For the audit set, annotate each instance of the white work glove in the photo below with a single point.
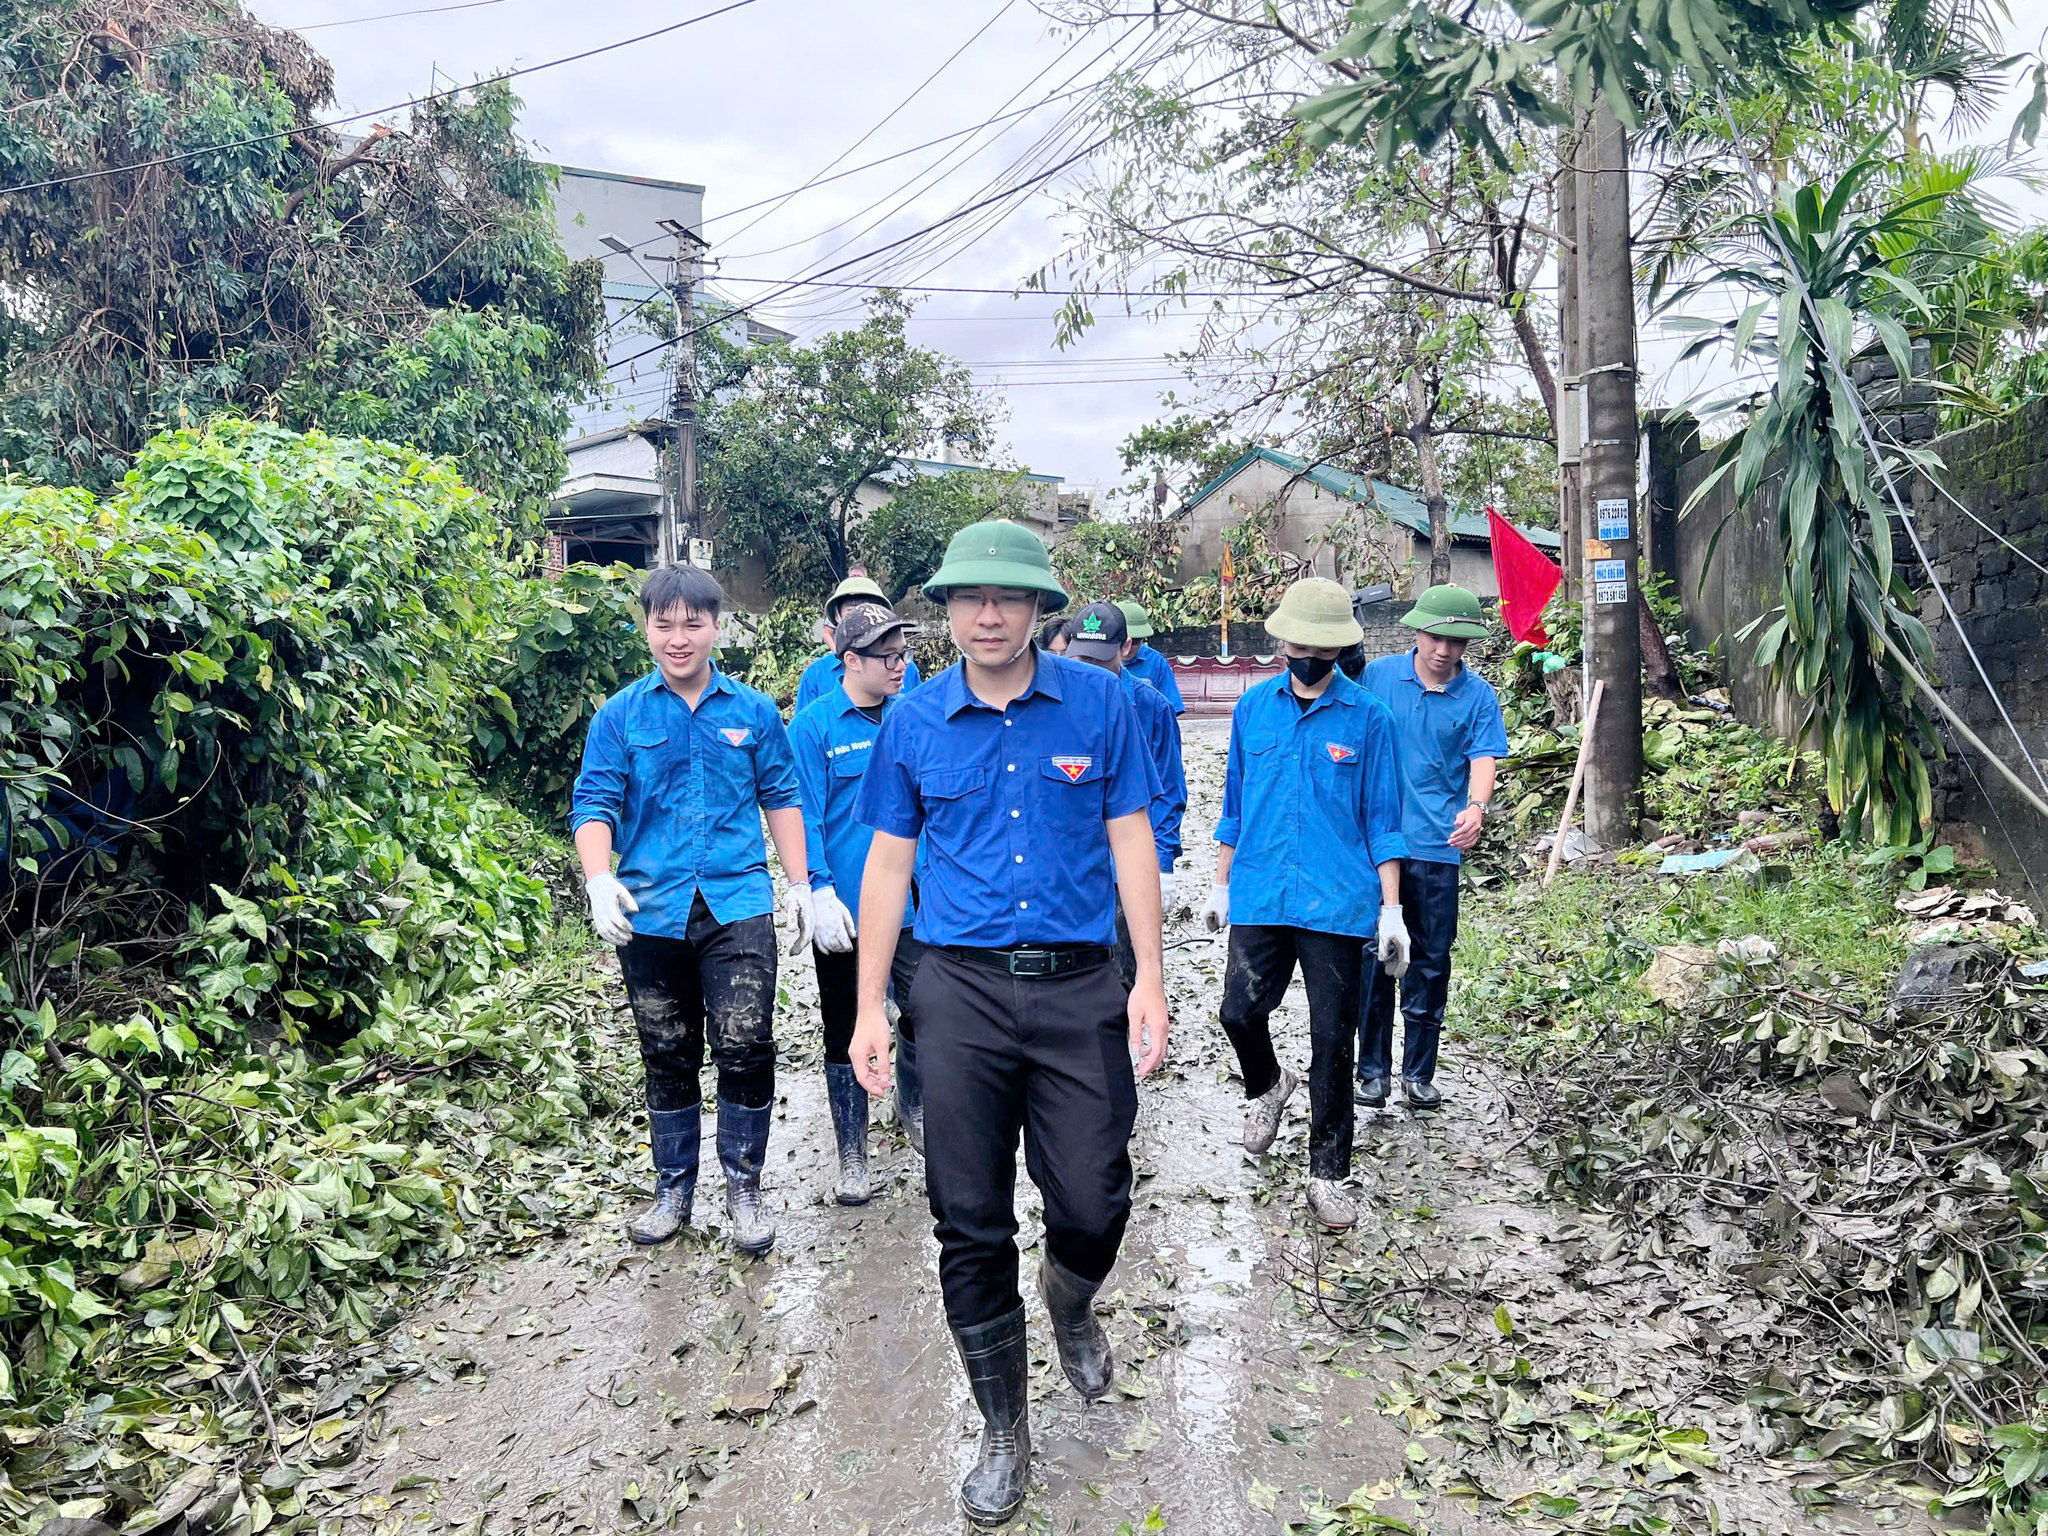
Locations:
(609, 903)
(1216, 910)
(832, 924)
(802, 913)
(1393, 950)
(1166, 890)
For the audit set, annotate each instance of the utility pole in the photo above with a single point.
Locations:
(682, 498)
(1609, 517)
(1570, 399)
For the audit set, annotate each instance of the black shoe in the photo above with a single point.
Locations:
(1084, 1347)
(1371, 1090)
(998, 1370)
(1420, 1095)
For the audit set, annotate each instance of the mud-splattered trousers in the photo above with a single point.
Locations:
(1045, 1057)
(718, 981)
(1255, 979)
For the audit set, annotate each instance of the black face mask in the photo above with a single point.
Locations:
(1310, 670)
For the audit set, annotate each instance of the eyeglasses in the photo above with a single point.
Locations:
(890, 659)
(1007, 601)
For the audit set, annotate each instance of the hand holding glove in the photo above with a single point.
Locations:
(832, 929)
(1393, 943)
(802, 913)
(1216, 910)
(609, 903)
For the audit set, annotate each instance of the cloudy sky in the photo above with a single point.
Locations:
(760, 101)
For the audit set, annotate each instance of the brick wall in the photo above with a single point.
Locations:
(1999, 471)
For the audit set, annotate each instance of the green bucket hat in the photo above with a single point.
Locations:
(1137, 622)
(1449, 611)
(997, 554)
(853, 586)
(1315, 611)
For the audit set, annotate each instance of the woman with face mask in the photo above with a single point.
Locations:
(1308, 872)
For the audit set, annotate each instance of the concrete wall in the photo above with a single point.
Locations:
(1999, 472)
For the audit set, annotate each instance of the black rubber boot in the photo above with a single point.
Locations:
(909, 1093)
(998, 1370)
(742, 1149)
(676, 1136)
(850, 1129)
(1084, 1347)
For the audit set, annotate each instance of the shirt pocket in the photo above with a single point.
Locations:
(1072, 793)
(729, 762)
(655, 767)
(958, 808)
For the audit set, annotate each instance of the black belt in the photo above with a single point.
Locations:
(1064, 960)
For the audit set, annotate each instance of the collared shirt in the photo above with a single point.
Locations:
(1440, 732)
(829, 671)
(1158, 671)
(683, 791)
(833, 742)
(1161, 733)
(1312, 804)
(1011, 804)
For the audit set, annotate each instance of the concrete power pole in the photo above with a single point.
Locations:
(1610, 521)
(1571, 401)
(682, 499)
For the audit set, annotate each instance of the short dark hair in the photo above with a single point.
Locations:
(1050, 633)
(681, 586)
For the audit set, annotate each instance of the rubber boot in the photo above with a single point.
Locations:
(742, 1149)
(850, 1128)
(998, 1369)
(676, 1135)
(1084, 1347)
(909, 1093)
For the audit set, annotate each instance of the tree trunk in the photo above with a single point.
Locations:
(1419, 414)
(1660, 672)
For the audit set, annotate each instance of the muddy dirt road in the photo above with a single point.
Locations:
(1427, 1363)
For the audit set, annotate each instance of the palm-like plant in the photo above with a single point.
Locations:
(1845, 633)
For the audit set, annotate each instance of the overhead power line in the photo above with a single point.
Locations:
(356, 117)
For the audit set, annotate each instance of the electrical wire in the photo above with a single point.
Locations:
(950, 59)
(355, 117)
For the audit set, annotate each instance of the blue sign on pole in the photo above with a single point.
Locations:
(1613, 517)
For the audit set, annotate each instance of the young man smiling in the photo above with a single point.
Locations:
(834, 742)
(1452, 739)
(1023, 774)
(677, 770)
(1311, 824)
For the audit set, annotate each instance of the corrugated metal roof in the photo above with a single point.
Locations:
(1400, 505)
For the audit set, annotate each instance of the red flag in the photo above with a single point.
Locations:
(1527, 577)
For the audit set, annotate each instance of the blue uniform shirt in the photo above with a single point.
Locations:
(1440, 734)
(1161, 733)
(1011, 804)
(1158, 671)
(833, 742)
(829, 671)
(683, 791)
(1312, 804)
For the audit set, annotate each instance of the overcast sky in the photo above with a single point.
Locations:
(757, 102)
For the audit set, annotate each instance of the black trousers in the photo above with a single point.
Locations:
(1047, 1057)
(839, 993)
(1429, 905)
(1261, 964)
(719, 981)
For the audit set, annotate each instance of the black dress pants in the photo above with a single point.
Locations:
(839, 993)
(1047, 1057)
(718, 980)
(1429, 905)
(1261, 964)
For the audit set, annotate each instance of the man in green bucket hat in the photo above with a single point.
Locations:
(825, 672)
(1308, 873)
(1022, 777)
(1146, 663)
(1452, 739)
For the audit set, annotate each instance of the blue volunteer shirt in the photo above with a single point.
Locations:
(833, 742)
(1158, 671)
(1312, 804)
(1161, 734)
(1440, 734)
(828, 671)
(683, 791)
(1011, 804)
